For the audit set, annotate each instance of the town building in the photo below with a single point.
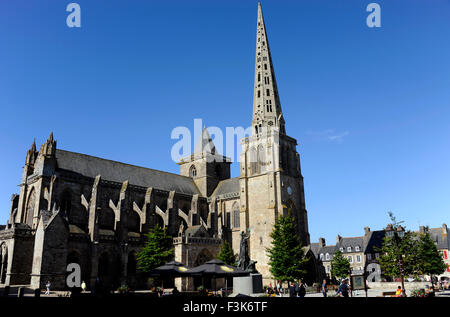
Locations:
(360, 251)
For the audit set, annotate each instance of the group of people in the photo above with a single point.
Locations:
(295, 289)
(342, 291)
(48, 285)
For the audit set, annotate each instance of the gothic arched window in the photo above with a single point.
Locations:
(261, 159)
(236, 216)
(30, 208)
(3, 262)
(203, 257)
(66, 203)
(253, 161)
(193, 171)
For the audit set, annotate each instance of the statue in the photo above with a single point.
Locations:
(244, 262)
(181, 230)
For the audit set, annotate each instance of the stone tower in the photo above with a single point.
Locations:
(205, 166)
(271, 182)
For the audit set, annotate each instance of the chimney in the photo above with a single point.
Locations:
(338, 239)
(322, 242)
(366, 231)
(444, 229)
(422, 229)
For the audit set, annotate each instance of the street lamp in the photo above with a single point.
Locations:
(389, 231)
(400, 232)
(397, 234)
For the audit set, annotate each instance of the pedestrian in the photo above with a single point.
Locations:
(292, 292)
(324, 288)
(83, 286)
(279, 288)
(47, 292)
(301, 290)
(343, 289)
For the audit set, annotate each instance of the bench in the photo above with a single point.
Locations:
(384, 294)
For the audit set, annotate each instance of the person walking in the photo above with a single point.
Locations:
(47, 292)
(292, 292)
(279, 288)
(301, 290)
(343, 289)
(324, 288)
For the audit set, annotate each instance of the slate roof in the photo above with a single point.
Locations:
(351, 242)
(375, 240)
(92, 166)
(317, 250)
(196, 231)
(227, 186)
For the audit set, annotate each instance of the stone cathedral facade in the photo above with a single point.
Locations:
(76, 208)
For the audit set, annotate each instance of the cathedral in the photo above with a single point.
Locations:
(76, 208)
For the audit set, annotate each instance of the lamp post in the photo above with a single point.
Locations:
(396, 234)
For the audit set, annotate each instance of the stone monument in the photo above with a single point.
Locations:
(251, 284)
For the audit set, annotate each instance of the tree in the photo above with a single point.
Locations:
(340, 266)
(157, 251)
(430, 260)
(226, 254)
(286, 256)
(399, 255)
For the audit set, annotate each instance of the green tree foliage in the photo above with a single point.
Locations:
(340, 266)
(157, 250)
(226, 254)
(399, 254)
(286, 256)
(430, 260)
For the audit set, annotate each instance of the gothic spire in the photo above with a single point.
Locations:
(31, 154)
(49, 147)
(205, 143)
(266, 102)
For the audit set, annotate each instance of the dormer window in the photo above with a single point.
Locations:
(357, 248)
(327, 256)
(341, 249)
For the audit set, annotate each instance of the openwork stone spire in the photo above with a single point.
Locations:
(266, 102)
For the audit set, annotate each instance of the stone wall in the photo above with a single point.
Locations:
(393, 285)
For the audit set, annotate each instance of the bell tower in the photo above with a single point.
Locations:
(271, 183)
(205, 166)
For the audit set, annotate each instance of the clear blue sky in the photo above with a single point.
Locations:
(370, 108)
